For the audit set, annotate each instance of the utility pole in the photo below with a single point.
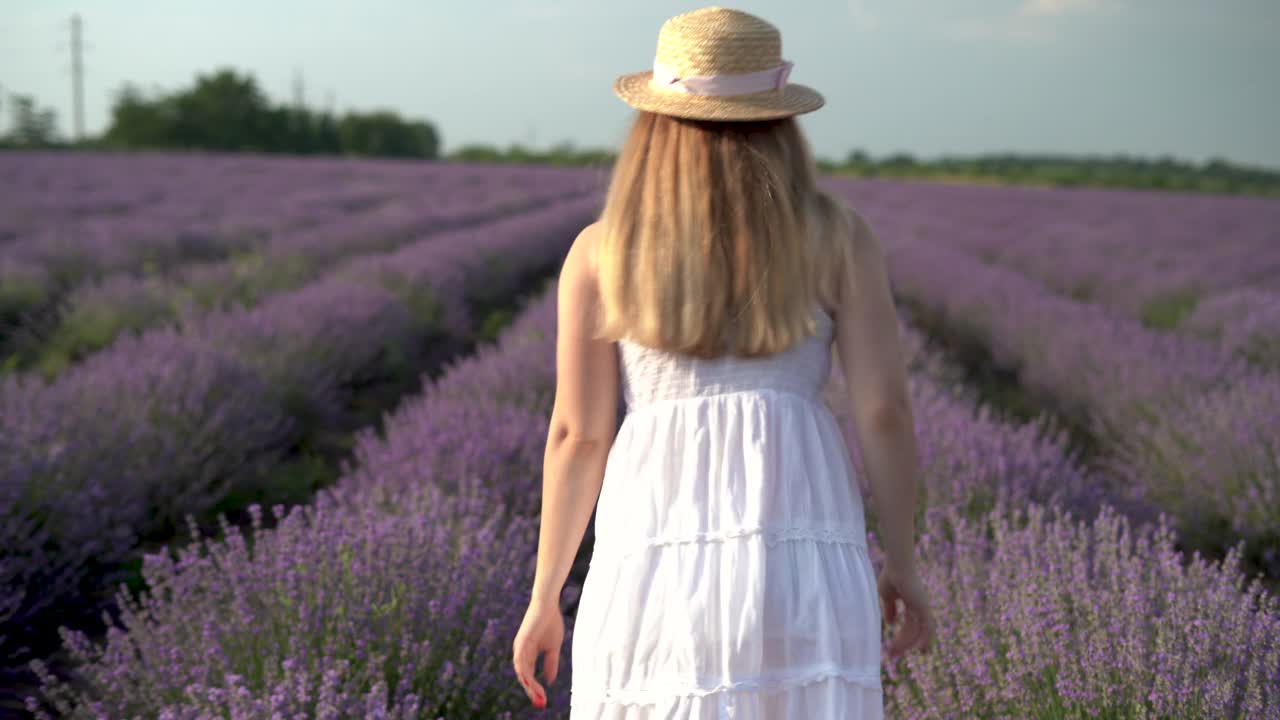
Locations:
(77, 78)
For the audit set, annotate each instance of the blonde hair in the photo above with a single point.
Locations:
(716, 238)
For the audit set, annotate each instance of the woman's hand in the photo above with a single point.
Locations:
(919, 626)
(541, 631)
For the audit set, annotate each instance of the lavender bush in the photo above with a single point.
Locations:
(396, 595)
(486, 417)
(83, 215)
(474, 266)
(1218, 460)
(312, 346)
(972, 459)
(1245, 321)
(517, 371)
(314, 231)
(1016, 594)
(23, 285)
(1142, 393)
(1041, 615)
(346, 609)
(79, 215)
(90, 463)
(1146, 255)
(226, 393)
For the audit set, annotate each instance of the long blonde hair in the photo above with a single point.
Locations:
(716, 238)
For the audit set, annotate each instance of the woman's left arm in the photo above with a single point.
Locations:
(583, 423)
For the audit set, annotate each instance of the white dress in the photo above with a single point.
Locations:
(730, 577)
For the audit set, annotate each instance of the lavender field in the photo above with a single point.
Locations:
(1184, 422)
(85, 256)
(1093, 556)
(1202, 265)
(202, 406)
(394, 597)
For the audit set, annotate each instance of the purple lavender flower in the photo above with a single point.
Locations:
(1155, 401)
(314, 612)
(205, 407)
(396, 594)
(229, 233)
(1245, 321)
(1044, 615)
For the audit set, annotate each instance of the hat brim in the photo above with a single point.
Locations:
(795, 99)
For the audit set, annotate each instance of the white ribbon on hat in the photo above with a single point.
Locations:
(668, 78)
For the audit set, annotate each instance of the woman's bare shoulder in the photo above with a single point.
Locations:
(586, 245)
(591, 231)
(857, 227)
(856, 243)
(580, 263)
(861, 236)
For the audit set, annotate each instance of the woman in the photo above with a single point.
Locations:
(730, 575)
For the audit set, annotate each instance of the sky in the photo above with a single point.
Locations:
(1184, 78)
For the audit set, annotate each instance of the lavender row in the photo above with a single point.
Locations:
(395, 595)
(345, 609)
(1044, 615)
(53, 187)
(127, 198)
(972, 459)
(167, 423)
(1056, 594)
(1244, 321)
(302, 634)
(80, 217)
(95, 314)
(1119, 248)
(1208, 265)
(1189, 426)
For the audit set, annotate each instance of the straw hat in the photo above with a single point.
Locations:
(718, 64)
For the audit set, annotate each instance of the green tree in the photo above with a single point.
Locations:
(477, 153)
(857, 158)
(32, 126)
(226, 111)
(385, 134)
(223, 112)
(139, 122)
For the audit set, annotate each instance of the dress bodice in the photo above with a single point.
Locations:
(650, 375)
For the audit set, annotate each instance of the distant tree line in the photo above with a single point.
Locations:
(32, 127)
(1092, 171)
(1162, 173)
(227, 112)
(562, 154)
(1120, 171)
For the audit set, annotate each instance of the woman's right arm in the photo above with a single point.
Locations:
(874, 365)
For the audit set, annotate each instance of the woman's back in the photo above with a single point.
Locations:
(650, 375)
(730, 575)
